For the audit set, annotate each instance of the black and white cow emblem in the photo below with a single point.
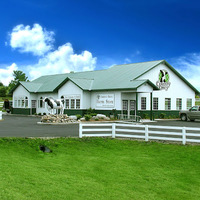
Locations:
(163, 80)
(163, 76)
(54, 104)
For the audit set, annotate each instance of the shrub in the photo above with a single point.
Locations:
(93, 114)
(87, 117)
(162, 115)
(145, 116)
(90, 111)
(78, 117)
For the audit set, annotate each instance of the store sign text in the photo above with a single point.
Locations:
(105, 100)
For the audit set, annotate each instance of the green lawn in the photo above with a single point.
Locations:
(98, 168)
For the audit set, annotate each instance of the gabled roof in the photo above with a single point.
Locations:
(117, 77)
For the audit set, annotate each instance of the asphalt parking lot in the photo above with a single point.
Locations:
(26, 126)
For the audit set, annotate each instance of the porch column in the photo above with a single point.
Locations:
(151, 106)
(136, 104)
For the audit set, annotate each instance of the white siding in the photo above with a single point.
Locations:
(20, 92)
(70, 89)
(177, 89)
(86, 103)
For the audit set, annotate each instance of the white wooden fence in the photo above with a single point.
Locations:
(146, 132)
(1, 104)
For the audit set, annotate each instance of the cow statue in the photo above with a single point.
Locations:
(54, 104)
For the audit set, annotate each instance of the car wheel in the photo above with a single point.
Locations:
(183, 117)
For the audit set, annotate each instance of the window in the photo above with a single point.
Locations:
(178, 104)
(143, 103)
(132, 105)
(18, 105)
(72, 103)
(15, 103)
(41, 103)
(125, 105)
(21, 102)
(167, 104)
(67, 103)
(155, 103)
(77, 103)
(33, 103)
(194, 108)
(189, 103)
(26, 102)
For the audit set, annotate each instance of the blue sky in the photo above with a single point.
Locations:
(55, 36)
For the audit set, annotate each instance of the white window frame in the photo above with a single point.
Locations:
(155, 103)
(178, 104)
(167, 103)
(21, 102)
(143, 103)
(189, 103)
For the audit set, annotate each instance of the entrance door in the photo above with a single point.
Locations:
(33, 107)
(132, 107)
(125, 107)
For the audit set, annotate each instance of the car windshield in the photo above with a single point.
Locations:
(195, 108)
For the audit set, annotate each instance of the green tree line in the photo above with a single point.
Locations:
(7, 90)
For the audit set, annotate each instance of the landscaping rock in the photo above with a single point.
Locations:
(58, 119)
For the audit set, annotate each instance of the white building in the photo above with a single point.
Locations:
(148, 88)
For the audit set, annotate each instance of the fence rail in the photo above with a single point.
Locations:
(1, 104)
(146, 132)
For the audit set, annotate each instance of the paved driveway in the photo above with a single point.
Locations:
(26, 126)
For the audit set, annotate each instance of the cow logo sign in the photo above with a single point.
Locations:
(163, 80)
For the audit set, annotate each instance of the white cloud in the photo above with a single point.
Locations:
(6, 75)
(35, 40)
(63, 60)
(189, 66)
(127, 60)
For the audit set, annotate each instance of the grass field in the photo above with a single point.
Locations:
(98, 168)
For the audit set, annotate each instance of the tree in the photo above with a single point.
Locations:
(18, 76)
(3, 91)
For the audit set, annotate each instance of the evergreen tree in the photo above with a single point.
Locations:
(18, 76)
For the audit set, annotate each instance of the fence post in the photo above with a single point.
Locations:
(184, 135)
(146, 133)
(113, 130)
(80, 130)
(0, 115)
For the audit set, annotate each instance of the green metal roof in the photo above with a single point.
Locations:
(117, 77)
